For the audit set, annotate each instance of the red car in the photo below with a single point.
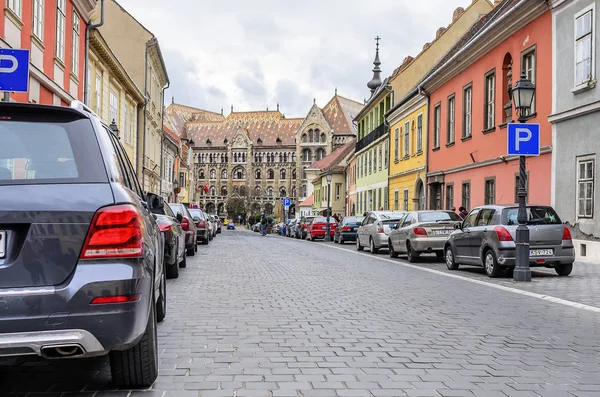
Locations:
(317, 228)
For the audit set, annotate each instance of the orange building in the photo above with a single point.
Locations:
(470, 106)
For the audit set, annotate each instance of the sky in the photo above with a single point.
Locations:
(253, 54)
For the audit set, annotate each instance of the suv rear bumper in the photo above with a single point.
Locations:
(40, 342)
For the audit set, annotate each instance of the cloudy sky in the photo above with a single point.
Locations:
(255, 53)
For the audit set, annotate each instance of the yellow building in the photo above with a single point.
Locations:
(112, 93)
(408, 117)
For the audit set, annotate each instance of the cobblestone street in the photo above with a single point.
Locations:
(270, 316)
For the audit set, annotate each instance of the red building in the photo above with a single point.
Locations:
(54, 33)
(470, 106)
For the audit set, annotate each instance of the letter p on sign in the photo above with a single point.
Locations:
(523, 139)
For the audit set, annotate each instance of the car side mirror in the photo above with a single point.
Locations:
(196, 219)
(155, 202)
(458, 226)
(179, 217)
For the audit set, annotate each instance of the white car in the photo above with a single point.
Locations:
(375, 229)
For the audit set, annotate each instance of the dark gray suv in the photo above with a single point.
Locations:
(81, 255)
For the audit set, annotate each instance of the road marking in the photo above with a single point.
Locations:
(547, 298)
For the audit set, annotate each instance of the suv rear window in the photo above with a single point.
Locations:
(49, 151)
(536, 215)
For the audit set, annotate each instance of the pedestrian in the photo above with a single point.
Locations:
(462, 211)
(263, 223)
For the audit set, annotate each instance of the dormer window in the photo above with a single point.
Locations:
(208, 142)
(225, 141)
(259, 140)
(278, 140)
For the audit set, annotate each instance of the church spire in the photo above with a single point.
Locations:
(376, 82)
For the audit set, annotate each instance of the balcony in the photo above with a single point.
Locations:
(377, 133)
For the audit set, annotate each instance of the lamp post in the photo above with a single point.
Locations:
(523, 94)
(328, 175)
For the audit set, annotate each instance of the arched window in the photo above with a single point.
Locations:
(294, 174)
(240, 174)
(222, 157)
(303, 190)
(213, 191)
(310, 136)
(306, 155)
(236, 189)
(213, 174)
(270, 174)
(257, 191)
(224, 174)
(243, 157)
(323, 138)
(210, 158)
(282, 191)
(223, 190)
(304, 138)
(293, 157)
(258, 175)
(285, 157)
(270, 191)
(293, 192)
(201, 174)
(282, 174)
(320, 154)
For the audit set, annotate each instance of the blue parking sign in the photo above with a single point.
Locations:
(14, 70)
(523, 139)
(286, 202)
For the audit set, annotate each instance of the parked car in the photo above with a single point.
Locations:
(200, 219)
(487, 238)
(256, 227)
(375, 228)
(290, 230)
(189, 227)
(317, 228)
(81, 255)
(231, 226)
(347, 228)
(174, 237)
(421, 232)
(218, 223)
(301, 227)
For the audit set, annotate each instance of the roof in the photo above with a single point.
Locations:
(340, 112)
(171, 134)
(332, 160)
(177, 115)
(308, 202)
(266, 125)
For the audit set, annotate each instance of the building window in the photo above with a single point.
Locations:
(75, 44)
(584, 50)
(396, 143)
(124, 126)
(437, 118)
(449, 196)
(114, 107)
(528, 64)
(182, 180)
(61, 11)
(450, 116)
(385, 154)
(466, 195)
(15, 6)
(98, 93)
(467, 112)
(38, 18)
(419, 133)
(406, 139)
(490, 94)
(338, 191)
(490, 191)
(585, 188)
(375, 160)
(380, 157)
(405, 199)
(282, 174)
(131, 121)
(213, 174)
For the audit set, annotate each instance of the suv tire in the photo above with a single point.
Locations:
(564, 270)
(490, 264)
(161, 303)
(138, 365)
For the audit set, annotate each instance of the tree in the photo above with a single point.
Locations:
(235, 207)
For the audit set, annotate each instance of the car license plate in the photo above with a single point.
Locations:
(442, 232)
(541, 252)
(2, 243)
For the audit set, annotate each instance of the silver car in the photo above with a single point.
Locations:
(422, 232)
(487, 238)
(375, 228)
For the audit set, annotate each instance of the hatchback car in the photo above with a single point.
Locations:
(487, 238)
(421, 232)
(346, 229)
(81, 254)
(375, 228)
(203, 228)
(231, 226)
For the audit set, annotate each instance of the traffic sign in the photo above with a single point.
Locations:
(14, 70)
(523, 139)
(286, 202)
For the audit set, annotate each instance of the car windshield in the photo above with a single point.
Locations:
(324, 220)
(195, 213)
(394, 215)
(438, 216)
(536, 215)
(353, 220)
(390, 222)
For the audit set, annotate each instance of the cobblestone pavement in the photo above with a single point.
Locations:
(269, 316)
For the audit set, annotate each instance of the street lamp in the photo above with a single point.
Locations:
(329, 175)
(523, 94)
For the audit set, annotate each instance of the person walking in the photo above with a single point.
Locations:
(263, 223)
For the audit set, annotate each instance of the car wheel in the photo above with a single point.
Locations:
(564, 270)
(173, 270)
(358, 246)
(372, 247)
(411, 254)
(492, 269)
(161, 303)
(138, 365)
(183, 263)
(392, 251)
(450, 260)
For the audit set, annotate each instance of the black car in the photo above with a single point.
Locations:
(174, 237)
(81, 254)
(346, 229)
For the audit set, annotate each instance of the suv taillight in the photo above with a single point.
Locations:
(420, 231)
(202, 223)
(115, 232)
(346, 229)
(185, 224)
(503, 234)
(566, 234)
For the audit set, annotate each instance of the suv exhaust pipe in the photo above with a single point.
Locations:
(62, 351)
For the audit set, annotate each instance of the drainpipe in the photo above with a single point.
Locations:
(88, 29)
(152, 43)
(162, 126)
(425, 189)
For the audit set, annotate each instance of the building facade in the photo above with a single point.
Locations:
(112, 93)
(170, 164)
(139, 52)
(54, 33)
(351, 186)
(575, 118)
(470, 105)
